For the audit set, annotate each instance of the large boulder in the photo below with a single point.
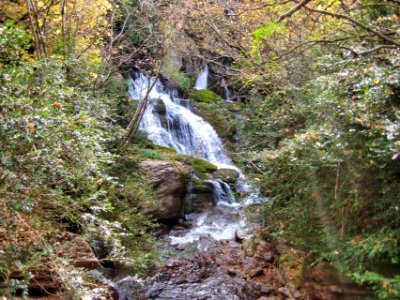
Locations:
(169, 180)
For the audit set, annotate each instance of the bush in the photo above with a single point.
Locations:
(56, 157)
(333, 181)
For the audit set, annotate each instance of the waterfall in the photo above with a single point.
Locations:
(168, 123)
(202, 79)
(222, 192)
(226, 90)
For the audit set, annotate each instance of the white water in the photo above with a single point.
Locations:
(179, 128)
(202, 79)
(226, 90)
(185, 132)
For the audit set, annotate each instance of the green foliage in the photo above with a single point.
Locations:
(14, 42)
(263, 34)
(171, 71)
(325, 144)
(222, 116)
(266, 31)
(164, 148)
(332, 174)
(57, 155)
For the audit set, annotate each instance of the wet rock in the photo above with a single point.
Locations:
(232, 272)
(286, 293)
(184, 223)
(180, 247)
(266, 290)
(294, 291)
(160, 108)
(268, 256)
(75, 249)
(227, 175)
(200, 198)
(169, 180)
(129, 288)
(256, 272)
(244, 234)
(204, 285)
(249, 247)
(87, 263)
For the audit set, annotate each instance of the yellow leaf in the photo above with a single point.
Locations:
(30, 127)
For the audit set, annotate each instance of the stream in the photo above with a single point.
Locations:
(203, 260)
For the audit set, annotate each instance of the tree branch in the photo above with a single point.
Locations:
(377, 48)
(354, 22)
(293, 10)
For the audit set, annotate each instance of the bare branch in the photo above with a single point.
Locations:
(354, 22)
(293, 10)
(377, 48)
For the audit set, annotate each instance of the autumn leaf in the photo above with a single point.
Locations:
(30, 127)
(56, 104)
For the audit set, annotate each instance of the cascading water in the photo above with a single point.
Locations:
(181, 129)
(168, 122)
(226, 90)
(202, 79)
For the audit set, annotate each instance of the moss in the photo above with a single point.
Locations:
(152, 154)
(235, 106)
(228, 175)
(164, 148)
(171, 71)
(202, 166)
(179, 157)
(292, 264)
(205, 96)
(202, 188)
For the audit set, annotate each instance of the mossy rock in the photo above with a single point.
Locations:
(202, 188)
(227, 175)
(202, 166)
(205, 96)
(199, 203)
(179, 157)
(164, 148)
(160, 108)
